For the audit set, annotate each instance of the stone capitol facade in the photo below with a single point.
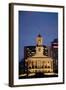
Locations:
(39, 62)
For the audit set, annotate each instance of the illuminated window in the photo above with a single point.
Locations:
(45, 66)
(27, 48)
(48, 66)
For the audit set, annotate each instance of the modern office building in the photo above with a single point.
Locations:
(54, 54)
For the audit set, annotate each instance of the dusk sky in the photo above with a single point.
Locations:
(33, 23)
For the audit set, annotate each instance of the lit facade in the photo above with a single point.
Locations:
(38, 62)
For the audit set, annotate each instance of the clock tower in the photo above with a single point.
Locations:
(39, 40)
(39, 46)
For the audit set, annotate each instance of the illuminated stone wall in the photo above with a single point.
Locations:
(39, 62)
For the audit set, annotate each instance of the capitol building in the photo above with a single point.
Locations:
(39, 62)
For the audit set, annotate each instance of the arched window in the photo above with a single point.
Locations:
(46, 66)
(32, 66)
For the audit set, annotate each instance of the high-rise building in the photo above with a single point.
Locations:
(54, 54)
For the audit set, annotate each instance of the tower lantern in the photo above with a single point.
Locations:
(39, 40)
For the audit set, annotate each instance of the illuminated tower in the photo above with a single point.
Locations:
(39, 46)
(39, 40)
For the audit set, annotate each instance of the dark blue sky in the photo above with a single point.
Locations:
(33, 23)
